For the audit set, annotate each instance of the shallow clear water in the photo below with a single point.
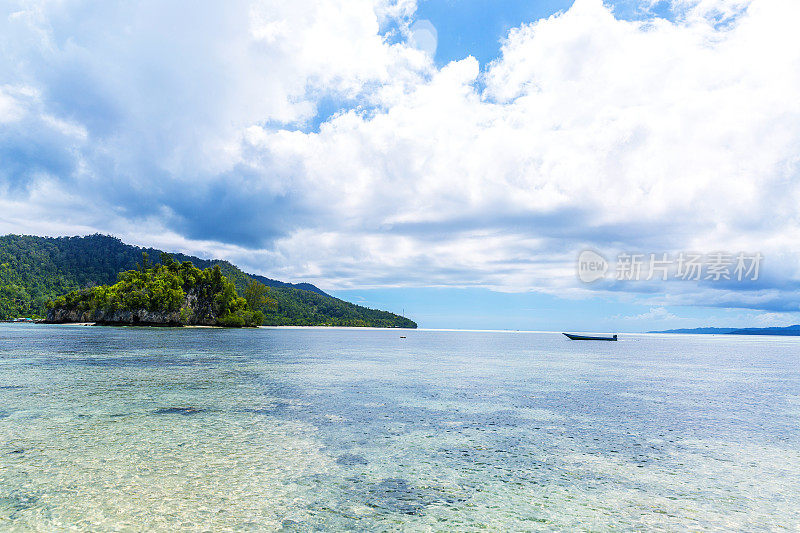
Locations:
(109, 429)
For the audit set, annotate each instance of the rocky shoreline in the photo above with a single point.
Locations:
(138, 317)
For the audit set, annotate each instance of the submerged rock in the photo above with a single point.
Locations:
(397, 495)
(351, 459)
(12, 504)
(185, 411)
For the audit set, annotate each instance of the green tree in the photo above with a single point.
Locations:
(257, 296)
(145, 262)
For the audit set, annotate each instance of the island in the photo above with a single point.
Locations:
(166, 294)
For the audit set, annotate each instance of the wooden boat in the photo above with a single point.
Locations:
(573, 337)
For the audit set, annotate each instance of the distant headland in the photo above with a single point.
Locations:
(787, 331)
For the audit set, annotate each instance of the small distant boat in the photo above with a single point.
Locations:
(573, 337)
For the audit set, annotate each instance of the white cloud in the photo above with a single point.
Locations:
(640, 134)
(716, 11)
(10, 109)
(775, 319)
(655, 313)
(588, 130)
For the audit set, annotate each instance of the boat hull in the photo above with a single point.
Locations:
(573, 337)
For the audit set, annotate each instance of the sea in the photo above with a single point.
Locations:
(325, 429)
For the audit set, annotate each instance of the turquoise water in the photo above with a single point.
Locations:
(119, 429)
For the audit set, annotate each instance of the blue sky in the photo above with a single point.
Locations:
(444, 308)
(449, 158)
(476, 27)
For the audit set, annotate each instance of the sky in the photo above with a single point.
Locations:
(448, 159)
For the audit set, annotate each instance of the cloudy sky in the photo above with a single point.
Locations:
(449, 158)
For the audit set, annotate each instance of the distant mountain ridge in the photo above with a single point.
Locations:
(789, 331)
(269, 282)
(35, 270)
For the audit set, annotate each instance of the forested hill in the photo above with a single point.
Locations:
(35, 270)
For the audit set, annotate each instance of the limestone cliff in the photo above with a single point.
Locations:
(193, 312)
